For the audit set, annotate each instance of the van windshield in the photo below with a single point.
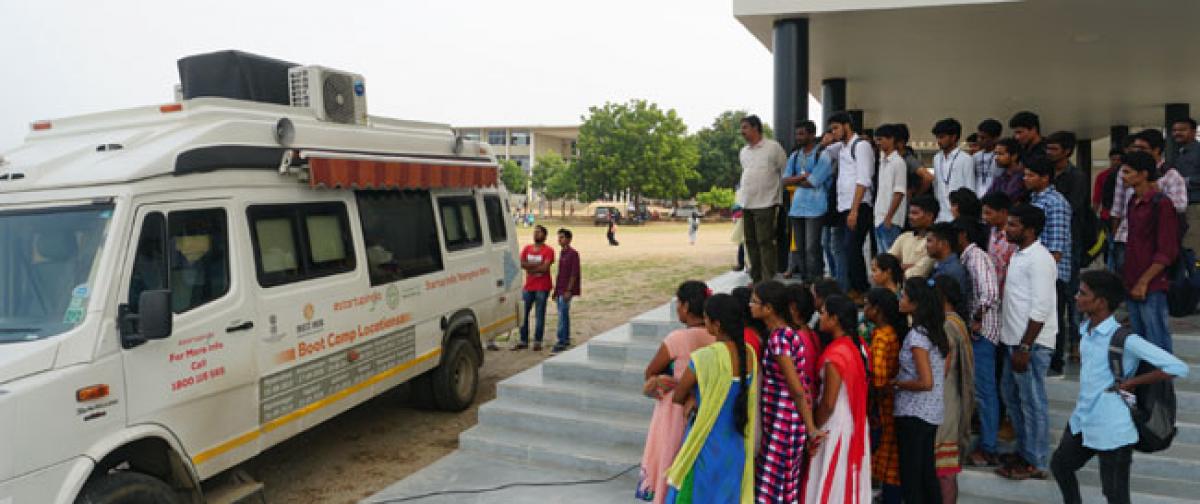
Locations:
(48, 262)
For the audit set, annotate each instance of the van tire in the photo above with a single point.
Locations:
(455, 382)
(127, 487)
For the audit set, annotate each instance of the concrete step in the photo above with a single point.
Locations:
(604, 429)
(628, 351)
(1066, 388)
(1180, 461)
(612, 375)
(652, 330)
(530, 387)
(982, 482)
(1187, 424)
(1186, 346)
(551, 451)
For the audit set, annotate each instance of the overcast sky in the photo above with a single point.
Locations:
(462, 62)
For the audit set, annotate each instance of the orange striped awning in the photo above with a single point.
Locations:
(332, 173)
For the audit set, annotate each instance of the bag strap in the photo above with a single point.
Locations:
(1116, 353)
(852, 146)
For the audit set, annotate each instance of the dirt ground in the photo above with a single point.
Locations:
(383, 440)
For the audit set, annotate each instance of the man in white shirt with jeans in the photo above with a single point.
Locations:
(1028, 333)
(952, 168)
(762, 162)
(856, 165)
(890, 204)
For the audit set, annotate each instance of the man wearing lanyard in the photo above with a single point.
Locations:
(809, 171)
(988, 133)
(952, 168)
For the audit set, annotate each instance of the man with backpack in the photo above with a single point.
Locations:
(855, 160)
(1102, 423)
(1152, 245)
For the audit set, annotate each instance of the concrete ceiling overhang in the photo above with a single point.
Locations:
(1082, 65)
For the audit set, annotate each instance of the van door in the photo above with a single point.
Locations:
(504, 266)
(199, 382)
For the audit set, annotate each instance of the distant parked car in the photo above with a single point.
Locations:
(685, 211)
(604, 213)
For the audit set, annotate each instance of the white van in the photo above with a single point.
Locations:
(183, 286)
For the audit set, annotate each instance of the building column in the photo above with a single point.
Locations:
(1172, 112)
(856, 119)
(1083, 159)
(833, 99)
(1117, 135)
(790, 54)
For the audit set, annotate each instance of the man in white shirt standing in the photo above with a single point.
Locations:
(890, 204)
(952, 168)
(1028, 333)
(856, 166)
(762, 162)
(988, 133)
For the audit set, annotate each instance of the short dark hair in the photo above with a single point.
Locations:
(947, 126)
(886, 131)
(753, 121)
(997, 200)
(1115, 152)
(1105, 285)
(976, 232)
(1138, 161)
(1030, 217)
(826, 287)
(973, 138)
(967, 203)
(927, 203)
(808, 126)
(541, 228)
(1025, 119)
(565, 232)
(1010, 145)
(1152, 137)
(992, 127)
(1190, 122)
(945, 231)
(902, 134)
(1040, 165)
(841, 118)
(1064, 139)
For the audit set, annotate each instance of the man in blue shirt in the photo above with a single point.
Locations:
(808, 173)
(940, 245)
(1039, 174)
(1101, 424)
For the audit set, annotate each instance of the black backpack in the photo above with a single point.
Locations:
(1154, 411)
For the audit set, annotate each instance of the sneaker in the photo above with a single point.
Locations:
(537, 347)
(519, 346)
(559, 348)
(1054, 373)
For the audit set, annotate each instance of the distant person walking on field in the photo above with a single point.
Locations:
(612, 231)
(566, 288)
(693, 227)
(536, 260)
(762, 162)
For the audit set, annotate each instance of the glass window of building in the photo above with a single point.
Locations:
(495, 137)
(520, 137)
(471, 135)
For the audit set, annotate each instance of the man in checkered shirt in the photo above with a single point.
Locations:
(1057, 238)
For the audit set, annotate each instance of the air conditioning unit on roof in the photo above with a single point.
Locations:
(332, 95)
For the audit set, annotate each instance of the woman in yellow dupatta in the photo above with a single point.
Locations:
(719, 444)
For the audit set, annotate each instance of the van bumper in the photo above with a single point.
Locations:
(59, 483)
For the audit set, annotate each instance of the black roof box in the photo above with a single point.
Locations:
(235, 74)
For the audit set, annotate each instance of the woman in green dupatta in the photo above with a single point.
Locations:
(719, 443)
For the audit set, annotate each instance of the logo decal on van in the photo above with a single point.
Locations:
(393, 297)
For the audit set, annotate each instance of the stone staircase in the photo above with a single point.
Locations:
(583, 411)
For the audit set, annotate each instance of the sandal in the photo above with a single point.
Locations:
(1021, 472)
(980, 458)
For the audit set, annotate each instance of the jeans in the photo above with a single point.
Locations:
(741, 257)
(1028, 406)
(830, 236)
(1116, 256)
(987, 395)
(884, 238)
(852, 248)
(531, 298)
(761, 248)
(918, 474)
(1071, 456)
(1063, 314)
(564, 320)
(806, 232)
(1149, 319)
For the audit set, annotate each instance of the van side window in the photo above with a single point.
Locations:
(150, 261)
(199, 257)
(495, 218)
(299, 242)
(400, 234)
(460, 222)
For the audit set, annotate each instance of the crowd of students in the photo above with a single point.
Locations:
(818, 391)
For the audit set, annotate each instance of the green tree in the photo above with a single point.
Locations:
(718, 147)
(717, 198)
(554, 178)
(513, 176)
(635, 146)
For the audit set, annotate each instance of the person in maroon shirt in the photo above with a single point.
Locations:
(536, 260)
(566, 287)
(1011, 180)
(1152, 246)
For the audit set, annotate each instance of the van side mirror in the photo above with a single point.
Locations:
(153, 319)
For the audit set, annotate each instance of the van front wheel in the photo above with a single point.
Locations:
(456, 380)
(127, 487)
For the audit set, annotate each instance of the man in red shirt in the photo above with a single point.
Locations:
(1152, 246)
(566, 287)
(536, 260)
